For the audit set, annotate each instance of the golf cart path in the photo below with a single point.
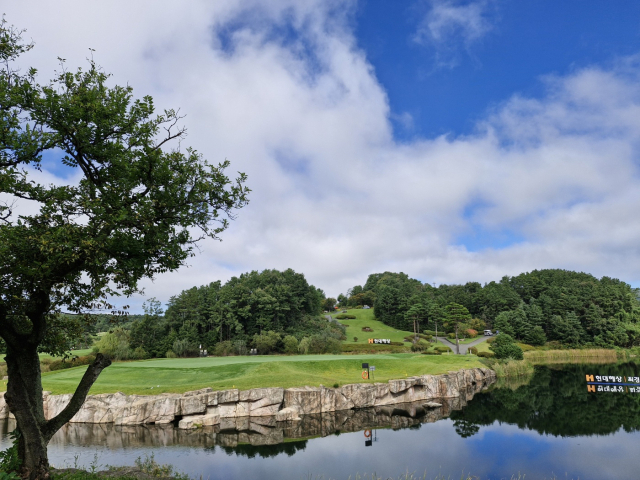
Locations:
(464, 347)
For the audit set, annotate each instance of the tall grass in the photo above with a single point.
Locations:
(593, 355)
(512, 368)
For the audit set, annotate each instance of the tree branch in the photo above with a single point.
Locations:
(90, 376)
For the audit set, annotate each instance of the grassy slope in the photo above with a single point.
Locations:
(79, 353)
(364, 318)
(181, 375)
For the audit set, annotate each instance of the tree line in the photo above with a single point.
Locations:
(555, 305)
(271, 311)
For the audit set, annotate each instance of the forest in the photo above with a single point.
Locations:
(561, 306)
(280, 312)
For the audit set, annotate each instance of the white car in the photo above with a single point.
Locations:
(488, 333)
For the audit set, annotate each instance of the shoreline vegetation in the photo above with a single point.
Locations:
(522, 368)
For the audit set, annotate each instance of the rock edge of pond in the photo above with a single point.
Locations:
(206, 407)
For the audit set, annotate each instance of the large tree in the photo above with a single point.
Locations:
(132, 209)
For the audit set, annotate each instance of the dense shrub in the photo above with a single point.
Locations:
(290, 344)
(442, 348)
(431, 352)
(471, 333)
(115, 344)
(474, 350)
(223, 349)
(536, 336)
(417, 347)
(451, 336)
(505, 347)
(486, 354)
(185, 348)
(319, 344)
(171, 354)
(430, 332)
(74, 362)
(355, 339)
(343, 316)
(367, 329)
(267, 342)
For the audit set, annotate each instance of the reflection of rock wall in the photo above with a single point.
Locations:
(206, 407)
(264, 430)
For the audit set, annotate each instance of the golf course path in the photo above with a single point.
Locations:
(464, 347)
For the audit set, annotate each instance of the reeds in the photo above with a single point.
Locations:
(512, 368)
(592, 355)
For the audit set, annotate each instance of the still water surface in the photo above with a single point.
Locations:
(549, 426)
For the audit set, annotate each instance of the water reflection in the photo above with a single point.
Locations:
(238, 433)
(546, 426)
(555, 401)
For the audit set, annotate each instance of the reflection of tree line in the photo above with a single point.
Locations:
(556, 402)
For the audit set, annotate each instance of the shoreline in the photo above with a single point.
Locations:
(206, 407)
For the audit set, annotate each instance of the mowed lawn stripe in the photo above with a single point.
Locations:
(181, 375)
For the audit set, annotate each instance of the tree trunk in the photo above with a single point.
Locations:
(457, 346)
(24, 399)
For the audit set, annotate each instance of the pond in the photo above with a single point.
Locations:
(550, 425)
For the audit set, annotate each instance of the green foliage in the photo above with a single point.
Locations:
(344, 316)
(474, 350)
(268, 342)
(321, 343)
(442, 349)
(10, 461)
(505, 347)
(486, 354)
(185, 348)
(115, 344)
(536, 336)
(290, 344)
(571, 308)
(171, 354)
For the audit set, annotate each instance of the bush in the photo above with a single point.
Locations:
(342, 316)
(505, 347)
(140, 354)
(451, 336)
(323, 344)
(290, 344)
(355, 339)
(171, 354)
(491, 339)
(471, 333)
(266, 342)
(74, 362)
(115, 344)
(486, 354)
(429, 332)
(474, 350)
(185, 348)
(442, 349)
(416, 347)
(367, 329)
(224, 349)
(431, 352)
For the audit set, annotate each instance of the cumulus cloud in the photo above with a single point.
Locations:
(282, 90)
(450, 25)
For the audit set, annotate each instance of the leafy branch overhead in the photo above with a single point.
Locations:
(132, 208)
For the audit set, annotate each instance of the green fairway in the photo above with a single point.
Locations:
(244, 372)
(364, 318)
(78, 353)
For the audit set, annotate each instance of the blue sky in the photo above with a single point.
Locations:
(446, 85)
(452, 140)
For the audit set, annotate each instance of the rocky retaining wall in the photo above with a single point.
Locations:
(206, 407)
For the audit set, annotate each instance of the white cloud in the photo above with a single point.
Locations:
(451, 24)
(334, 196)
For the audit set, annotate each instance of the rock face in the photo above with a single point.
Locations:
(206, 407)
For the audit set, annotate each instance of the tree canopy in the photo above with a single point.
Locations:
(568, 307)
(135, 211)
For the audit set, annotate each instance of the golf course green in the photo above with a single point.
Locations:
(245, 372)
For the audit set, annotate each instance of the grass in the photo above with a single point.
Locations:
(245, 372)
(511, 368)
(596, 355)
(365, 318)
